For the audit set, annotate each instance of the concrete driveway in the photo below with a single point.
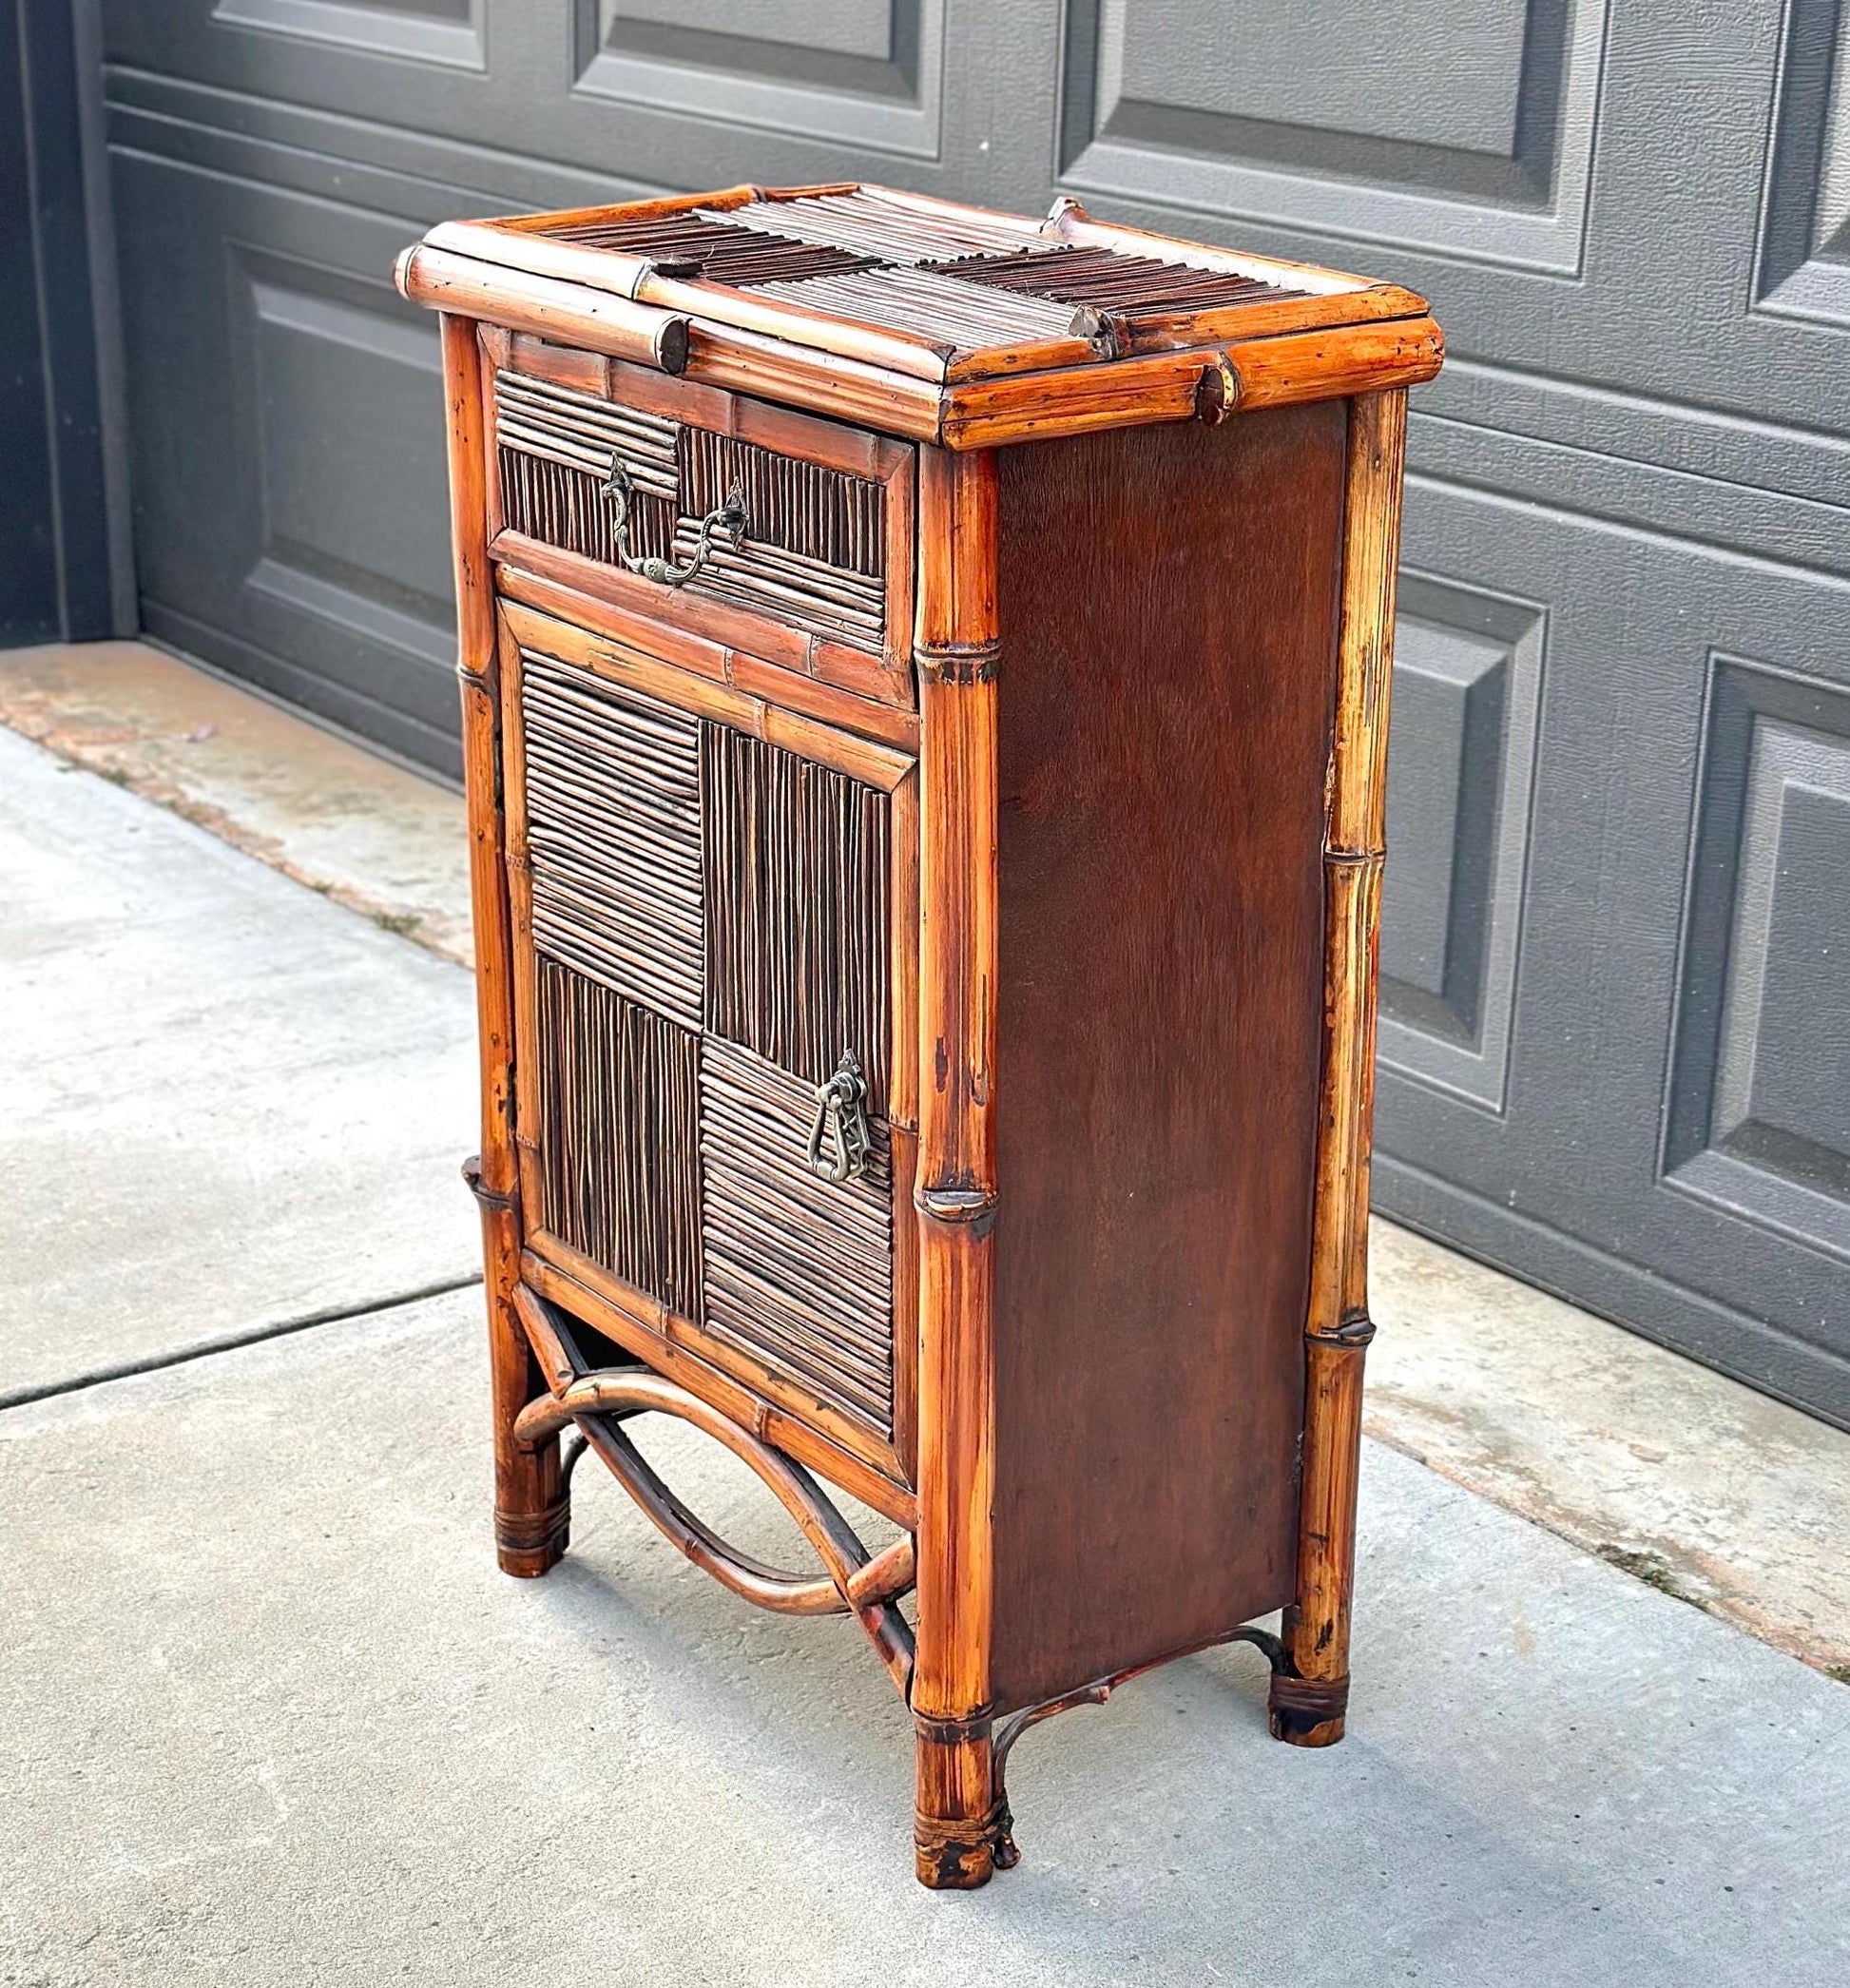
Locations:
(269, 1714)
(232, 1105)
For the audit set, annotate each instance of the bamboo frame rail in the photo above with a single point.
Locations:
(853, 1582)
(1009, 1731)
(1310, 1710)
(956, 653)
(1328, 333)
(635, 279)
(527, 302)
(624, 1315)
(531, 1512)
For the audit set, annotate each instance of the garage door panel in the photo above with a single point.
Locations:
(1674, 1099)
(651, 96)
(446, 31)
(288, 446)
(423, 66)
(1461, 754)
(1803, 264)
(857, 73)
(1470, 129)
(1549, 181)
(1759, 1122)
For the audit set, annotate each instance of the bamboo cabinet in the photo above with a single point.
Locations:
(925, 681)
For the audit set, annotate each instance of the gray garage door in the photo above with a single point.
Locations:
(1615, 1054)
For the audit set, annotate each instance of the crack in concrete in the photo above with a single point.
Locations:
(231, 1342)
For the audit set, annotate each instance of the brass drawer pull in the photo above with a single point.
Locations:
(841, 1120)
(729, 518)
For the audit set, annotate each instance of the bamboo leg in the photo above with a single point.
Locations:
(955, 1818)
(531, 1506)
(1308, 1705)
(956, 1810)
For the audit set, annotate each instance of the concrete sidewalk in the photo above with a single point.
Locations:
(269, 1714)
(233, 1105)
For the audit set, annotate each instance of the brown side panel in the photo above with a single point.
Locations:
(1169, 605)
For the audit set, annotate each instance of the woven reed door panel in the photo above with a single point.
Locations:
(799, 1269)
(704, 928)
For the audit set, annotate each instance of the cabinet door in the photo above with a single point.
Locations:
(711, 925)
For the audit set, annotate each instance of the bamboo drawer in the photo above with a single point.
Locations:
(762, 531)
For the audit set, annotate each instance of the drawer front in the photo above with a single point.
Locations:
(706, 922)
(785, 536)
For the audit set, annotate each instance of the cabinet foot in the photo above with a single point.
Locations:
(527, 1544)
(1307, 1711)
(960, 1819)
(958, 1858)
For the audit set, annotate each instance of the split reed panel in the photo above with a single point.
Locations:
(798, 905)
(613, 813)
(620, 1137)
(798, 1270)
(813, 552)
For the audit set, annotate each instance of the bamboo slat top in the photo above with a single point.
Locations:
(945, 322)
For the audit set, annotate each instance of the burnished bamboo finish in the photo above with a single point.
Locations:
(530, 1511)
(1321, 365)
(547, 308)
(1088, 1327)
(620, 1105)
(819, 576)
(1070, 222)
(798, 1274)
(760, 974)
(1337, 1328)
(846, 389)
(956, 653)
(763, 684)
(612, 796)
(855, 1582)
(937, 322)
(631, 666)
(797, 975)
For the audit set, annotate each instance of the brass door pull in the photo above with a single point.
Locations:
(729, 518)
(840, 1122)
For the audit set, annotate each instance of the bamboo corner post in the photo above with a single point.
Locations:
(957, 655)
(1309, 1704)
(530, 1510)
(926, 903)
